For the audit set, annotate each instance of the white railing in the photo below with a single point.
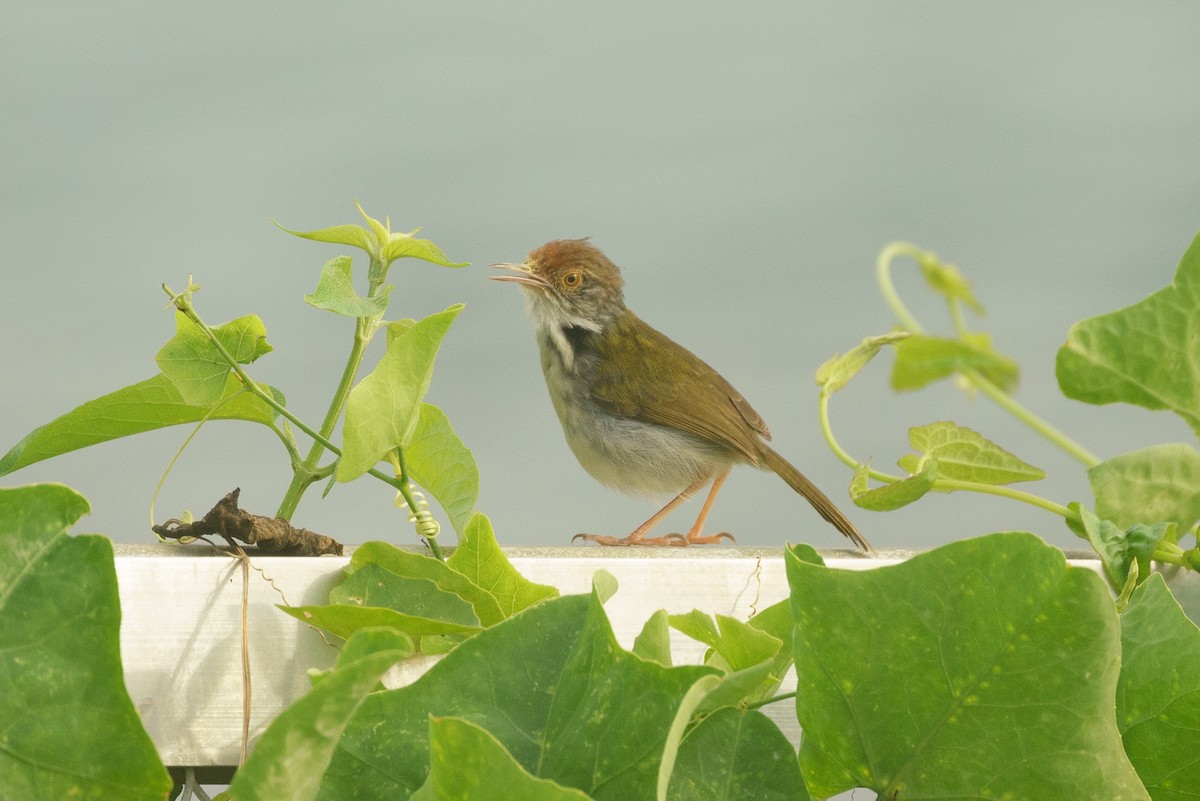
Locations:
(181, 631)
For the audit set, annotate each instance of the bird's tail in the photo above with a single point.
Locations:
(825, 507)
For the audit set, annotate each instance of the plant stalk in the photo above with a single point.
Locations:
(305, 473)
(883, 272)
(838, 451)
(953, 485)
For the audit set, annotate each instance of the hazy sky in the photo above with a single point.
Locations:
(743, 163)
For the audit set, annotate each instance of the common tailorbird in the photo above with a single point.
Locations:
(641, 413)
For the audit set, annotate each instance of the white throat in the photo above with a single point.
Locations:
(551, 319)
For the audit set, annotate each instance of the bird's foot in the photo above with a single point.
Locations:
(677, 540)
(696, 538)
(674, 540)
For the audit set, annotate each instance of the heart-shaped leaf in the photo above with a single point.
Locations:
(468, 763)
(146, 406)
(1120, 548)
(445, 576)
(480, 559)
(895, 495)
(836, 372)
(1158, 696)
(1155, 484)
(292, 754)
(335, 292)
(551, 685)
(439, 461)
(382, 410)
(965, 455)
(69, 728)
(736, 755)
(1143, 354)
(196, 366)
(922, 359)
(995, 676)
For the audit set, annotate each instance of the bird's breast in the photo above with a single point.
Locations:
(627, 454)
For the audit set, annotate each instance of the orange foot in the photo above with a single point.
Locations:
(696, 538)
(676, 540)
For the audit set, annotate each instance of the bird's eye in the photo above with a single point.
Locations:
(572, 279)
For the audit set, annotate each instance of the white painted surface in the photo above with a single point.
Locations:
(182, 611)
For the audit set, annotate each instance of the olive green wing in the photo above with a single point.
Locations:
(659, 381)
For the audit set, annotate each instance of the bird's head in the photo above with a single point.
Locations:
(568, 282)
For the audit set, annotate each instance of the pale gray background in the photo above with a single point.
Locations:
(744, 164)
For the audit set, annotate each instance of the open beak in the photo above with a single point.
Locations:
(521, 274)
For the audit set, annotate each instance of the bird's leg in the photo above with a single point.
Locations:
(694, 537)
(638, 535)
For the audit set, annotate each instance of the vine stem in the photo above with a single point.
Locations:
(883, 272)
(184, 306)
(405, 489)
(1009, 404)
(940, 484)
(305, 472)
(951, 484)
(773, 699)
(838, 450)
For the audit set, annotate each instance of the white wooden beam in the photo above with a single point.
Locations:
(182, 624)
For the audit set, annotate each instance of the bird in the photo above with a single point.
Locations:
(641, 413)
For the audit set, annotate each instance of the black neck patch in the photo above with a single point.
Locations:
(578, 337)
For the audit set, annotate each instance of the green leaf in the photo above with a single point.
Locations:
(292, 754)
(69, 728)
(1143, 354)
(654, 641)
(994, 677)
(1159, 483)
(439, 461)
(550, 684)
(382, 411)
(701, 689)
(480, 559)
(404, 246)
(380, 242)
(335, 292)
(697, 625)
(1158, 695)
(776, 620)
(836, 372)
(196, 366)
(419, 566)
(365, 642)
(371, 585)
(964, 455)
(748, 657)
(604, 585)
(922, 359)
(894, 495)
(739, 644)
(353, 235)
(146, 406)
(345, 619)
(805, 553)
(1118, 549)
(949, 281)
(469, 764)
(733, 755)
(398, 327)
(380, 230)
